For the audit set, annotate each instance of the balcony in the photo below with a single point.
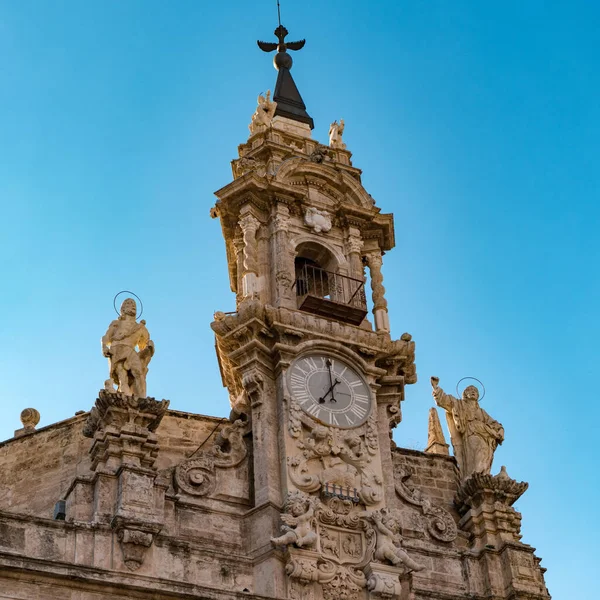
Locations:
(330, 294)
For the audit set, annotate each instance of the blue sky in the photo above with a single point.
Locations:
(476, 123)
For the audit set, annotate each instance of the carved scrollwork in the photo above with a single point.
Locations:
(335, 457)
(371, 434)
(345, 584)
(440, 523)
(295, 418)
(301, 476)
(230, 449)
(196, 476)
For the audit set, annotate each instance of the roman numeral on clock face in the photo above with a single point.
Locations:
(297, 381)
(314, 410)
(359, 411)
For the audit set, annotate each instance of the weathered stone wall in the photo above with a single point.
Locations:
(37, 469)
(435, 475)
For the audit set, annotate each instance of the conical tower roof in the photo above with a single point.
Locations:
(289, 101)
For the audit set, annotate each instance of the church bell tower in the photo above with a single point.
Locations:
(316, 384)
(317, 377)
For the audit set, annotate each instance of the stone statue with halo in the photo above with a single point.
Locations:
(128, 367)
(474, 434)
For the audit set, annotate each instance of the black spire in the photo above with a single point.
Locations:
(287, 96)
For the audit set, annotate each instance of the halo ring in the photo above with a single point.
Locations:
(473, 379)
(138, 299)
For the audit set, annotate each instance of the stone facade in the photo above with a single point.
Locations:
(301, 493)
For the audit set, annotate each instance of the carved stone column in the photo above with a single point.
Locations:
(354, 246)
(123, 454)
(380, 312)
(238, 247)
(249, 226)
(282, 259)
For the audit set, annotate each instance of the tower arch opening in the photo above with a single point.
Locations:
(322, 289)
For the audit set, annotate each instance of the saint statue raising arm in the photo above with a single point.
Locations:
(474, 434)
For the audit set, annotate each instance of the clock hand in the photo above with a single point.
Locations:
(322, 399)
(331, 384)
(332, 396)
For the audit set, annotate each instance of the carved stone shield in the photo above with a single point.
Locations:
(346, 546)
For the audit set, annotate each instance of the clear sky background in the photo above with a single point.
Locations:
(476, 124)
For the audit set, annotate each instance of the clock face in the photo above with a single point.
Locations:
(330, 390)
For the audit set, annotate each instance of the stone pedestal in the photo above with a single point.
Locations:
(509, 567)
(485, 503)
(383, 581)
(125, 492)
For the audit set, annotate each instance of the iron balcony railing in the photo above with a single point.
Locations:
(330, 294)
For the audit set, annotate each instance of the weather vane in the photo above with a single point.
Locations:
(282, 58)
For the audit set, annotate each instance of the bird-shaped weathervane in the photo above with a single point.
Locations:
(282, 58)
(280, 33)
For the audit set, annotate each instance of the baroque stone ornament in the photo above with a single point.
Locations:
(388, 549)
(473, 433)
(350, 549)
(318, 220)
(196, 476)
(298, 520)
(440, 523)
(115, 411)
(332, 456)
(265, 111)
(134, 544)
(336, 130)
(485, 503)
(127, 367)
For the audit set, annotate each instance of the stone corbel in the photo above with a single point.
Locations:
(383, 581)
(134, 545)
(253, 383)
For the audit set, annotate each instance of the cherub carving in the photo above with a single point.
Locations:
(336, 130)
(298, 521)
(319, 220)
(389, 541)
(265, 111)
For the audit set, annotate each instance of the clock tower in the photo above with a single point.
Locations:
(307, 357)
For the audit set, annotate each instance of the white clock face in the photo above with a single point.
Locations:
(330, 390)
